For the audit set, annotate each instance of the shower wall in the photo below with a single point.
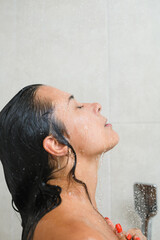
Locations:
(134, 60)
(100, 51)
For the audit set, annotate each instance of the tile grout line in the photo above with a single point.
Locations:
(108, 179)
(135, 122)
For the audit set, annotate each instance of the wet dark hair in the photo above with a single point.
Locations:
(24, 123)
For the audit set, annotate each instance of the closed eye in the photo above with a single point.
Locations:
(80, 106)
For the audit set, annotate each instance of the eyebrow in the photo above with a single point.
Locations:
(70, 97)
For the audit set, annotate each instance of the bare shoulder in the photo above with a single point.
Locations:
(68, 230)
(80, 231)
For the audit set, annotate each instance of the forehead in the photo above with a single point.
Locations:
(53, 94)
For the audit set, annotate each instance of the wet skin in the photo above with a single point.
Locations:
(75, 218)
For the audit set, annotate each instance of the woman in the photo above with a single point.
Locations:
(50, 149)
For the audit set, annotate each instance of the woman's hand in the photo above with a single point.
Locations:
(131, 234)
(136, 234)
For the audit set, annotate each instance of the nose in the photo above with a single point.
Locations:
(97, 107)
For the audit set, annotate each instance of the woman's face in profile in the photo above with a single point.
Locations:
(84, 123)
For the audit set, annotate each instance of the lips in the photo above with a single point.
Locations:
(106, 122)
(108, 125)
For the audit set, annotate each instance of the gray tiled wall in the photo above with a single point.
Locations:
(134, 104)
(103, 51)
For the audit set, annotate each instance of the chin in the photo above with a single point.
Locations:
(113, 142)
(116, 139)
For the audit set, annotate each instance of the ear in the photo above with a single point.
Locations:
(52, 146)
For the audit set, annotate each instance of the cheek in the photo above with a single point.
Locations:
(82, 134)
(88, 138)
(81, 131)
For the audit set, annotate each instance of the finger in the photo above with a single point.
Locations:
(121, 236)
(136, 238)
(129, 236)
(119, 232)
(136, 234)
(110, 223)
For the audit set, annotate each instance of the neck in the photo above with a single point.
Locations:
(86, 171)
